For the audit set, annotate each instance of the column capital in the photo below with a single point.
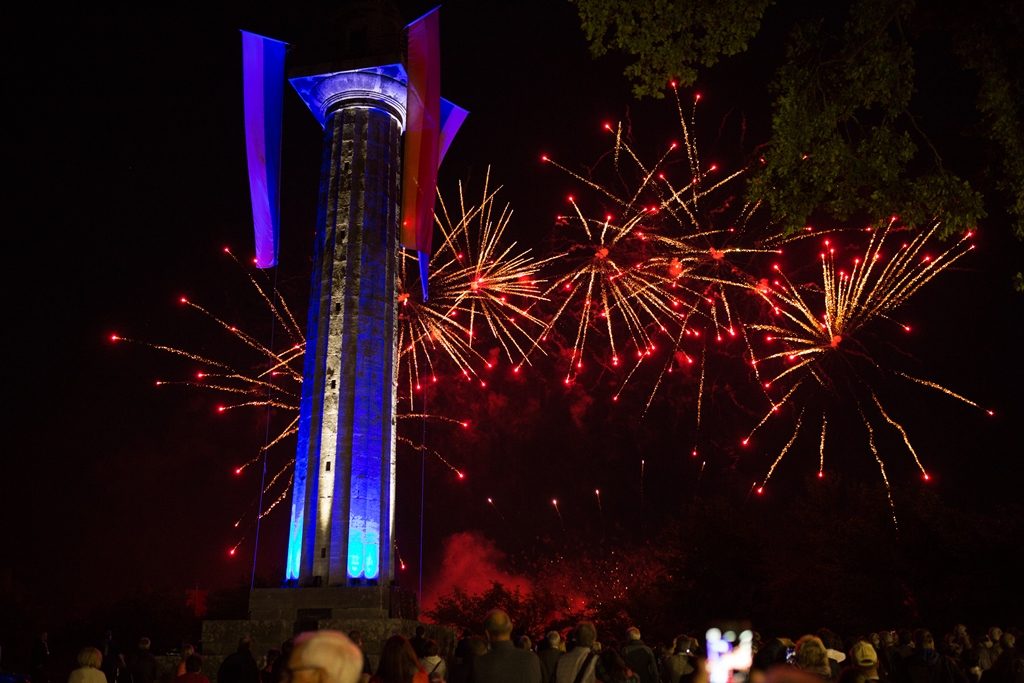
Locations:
(379, 86)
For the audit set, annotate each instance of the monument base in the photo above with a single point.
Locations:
(278, 614)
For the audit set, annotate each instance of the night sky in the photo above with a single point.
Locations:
(125, 150)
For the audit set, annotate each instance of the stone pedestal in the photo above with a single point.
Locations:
(277, 614)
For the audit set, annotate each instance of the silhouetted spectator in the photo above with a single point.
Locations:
(357, 638)
(267, 670)
(639, 657)
(240, 666)
(142, 664)
(399, 663)
(41, 659)
(419, 642)
(504, 663)
(193, 671)
(550, 652)
(927, 665)
(186, 652)
(466, 653)
(581, 658)
(432, 662)
(114, 664)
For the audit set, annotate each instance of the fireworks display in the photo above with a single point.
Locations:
(818, 338)
(649, 272)
(476, 281)
(656, 270)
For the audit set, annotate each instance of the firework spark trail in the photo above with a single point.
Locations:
(474, 276)
(942, 389)
(881, 466)
(903, 433)
(771, 411)
(700, 386)
(275, 304)
(821, 447)
(852, 298)
(782, 453)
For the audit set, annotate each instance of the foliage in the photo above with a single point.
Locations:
(853, 133)
(669, 39)
(531, 611)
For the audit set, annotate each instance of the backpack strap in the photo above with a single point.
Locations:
(583, 667)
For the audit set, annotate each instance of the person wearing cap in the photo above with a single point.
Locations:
(812, 657)
(864, 657)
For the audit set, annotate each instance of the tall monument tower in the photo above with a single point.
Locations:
(344, 483)
(385, 131)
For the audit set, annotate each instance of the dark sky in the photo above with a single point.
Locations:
(126, 164)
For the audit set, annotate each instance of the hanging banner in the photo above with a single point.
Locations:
(263, 95)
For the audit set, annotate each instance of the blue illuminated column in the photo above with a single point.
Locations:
(344, 484)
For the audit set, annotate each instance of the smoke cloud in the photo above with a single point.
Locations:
(472, 562)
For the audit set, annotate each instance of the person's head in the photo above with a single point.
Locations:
(245, 643)
(811, 656)
(632, 633)
(498, 625)
(985, 640)
(357, 638)
(144, 643)
(585, 634)
(554, 639)
(888, 638)
(398, 661)
(323, 657)
(187, 650)
(89, 657)
(863, 655)
(421, 631)
(193, 664)
(923, 639)
(1007, 640)
(994, 632)
(524, 642)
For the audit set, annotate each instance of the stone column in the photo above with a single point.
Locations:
(343, 491)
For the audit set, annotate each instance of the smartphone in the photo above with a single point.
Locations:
(730, 654)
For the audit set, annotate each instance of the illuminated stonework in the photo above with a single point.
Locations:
(343, 496)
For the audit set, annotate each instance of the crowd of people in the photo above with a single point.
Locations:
(499, 654)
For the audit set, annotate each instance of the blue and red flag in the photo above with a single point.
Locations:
(432, 124)
(263, 95)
